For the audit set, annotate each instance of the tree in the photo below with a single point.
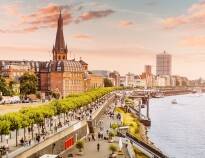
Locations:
(15, 122)
(4, 127)
(29, 116)
(108, 82)
(28, 84)
(113, 148)
(26, 122)
(4, 88)
(79, 145)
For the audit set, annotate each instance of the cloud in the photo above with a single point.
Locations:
(46, 17)
(194, 15)
(193, 41)
(126, 24)
(94, 15)
(81, 36)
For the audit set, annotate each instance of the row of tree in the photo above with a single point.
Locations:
(27, 117)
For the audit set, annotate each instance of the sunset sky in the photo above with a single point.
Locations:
(121, 35)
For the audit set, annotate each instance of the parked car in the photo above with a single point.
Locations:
(26, 101)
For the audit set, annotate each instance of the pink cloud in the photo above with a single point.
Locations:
(193, 41)
(82, 36)
(46, 17)
(126, 24)
(95, 14)
(194, 15)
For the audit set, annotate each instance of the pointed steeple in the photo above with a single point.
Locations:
(60, 49)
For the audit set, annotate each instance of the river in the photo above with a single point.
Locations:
(179, 129)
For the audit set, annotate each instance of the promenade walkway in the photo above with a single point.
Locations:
(19, 149)
(90, 147)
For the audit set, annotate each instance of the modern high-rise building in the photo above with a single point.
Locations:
(163, 64)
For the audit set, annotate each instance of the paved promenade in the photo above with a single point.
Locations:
(90, 147)
(73, 119)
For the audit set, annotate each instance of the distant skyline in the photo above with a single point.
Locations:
(122, 35)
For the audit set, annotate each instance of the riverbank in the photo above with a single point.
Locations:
(136, 129)
(176, 92)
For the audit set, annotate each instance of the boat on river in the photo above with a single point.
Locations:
(174, 101)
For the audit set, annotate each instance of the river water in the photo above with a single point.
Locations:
(179, 129)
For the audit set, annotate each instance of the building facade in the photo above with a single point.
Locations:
(62, 75)
(163, 64)
(115, 76)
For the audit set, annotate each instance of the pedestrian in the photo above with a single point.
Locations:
(102, 135)
(98, 147)
(93, 137)
(89, 138)
(98, 135)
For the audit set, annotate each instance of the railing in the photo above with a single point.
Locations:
(156, 153)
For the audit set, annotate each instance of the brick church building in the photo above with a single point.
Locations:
(60, 74)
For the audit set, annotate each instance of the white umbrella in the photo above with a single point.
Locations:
(120, 143)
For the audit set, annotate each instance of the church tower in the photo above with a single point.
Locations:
(60, 50)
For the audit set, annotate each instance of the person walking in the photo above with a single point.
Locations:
(98, 147)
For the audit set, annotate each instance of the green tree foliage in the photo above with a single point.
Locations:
(29, 116)
(4, 127)
(28, 84)
(15, 120)
(4, 88)
(113, 148)
(79, 145)
(107, 82)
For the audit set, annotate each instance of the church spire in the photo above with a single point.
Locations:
(60, 49)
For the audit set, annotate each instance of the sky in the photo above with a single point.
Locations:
(122, 35)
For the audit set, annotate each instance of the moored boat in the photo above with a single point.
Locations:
(174, 101)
